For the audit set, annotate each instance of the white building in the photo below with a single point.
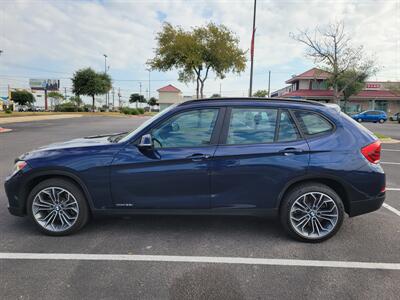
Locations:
(169, 95)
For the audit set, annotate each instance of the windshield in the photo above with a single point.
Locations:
(146, 123)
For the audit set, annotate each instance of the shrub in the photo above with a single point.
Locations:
(125, 110)
(67, 107)
(141, 111)
(134, 111)
(8, 111)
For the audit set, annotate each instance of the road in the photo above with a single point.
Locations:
(391, 129)
(372, 238)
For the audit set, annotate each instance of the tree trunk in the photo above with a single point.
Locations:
(335, 95)
(197, 88)
(92, 103)
(201, 88)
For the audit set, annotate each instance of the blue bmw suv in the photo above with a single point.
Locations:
(303, 161)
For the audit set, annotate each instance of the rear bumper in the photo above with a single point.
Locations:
(357, 208)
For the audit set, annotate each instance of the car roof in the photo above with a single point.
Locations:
(250, 100)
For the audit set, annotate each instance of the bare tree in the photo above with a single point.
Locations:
(330, 48)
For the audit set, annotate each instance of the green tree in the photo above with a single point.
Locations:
(55, 97)
(90, 83)
(152, 101)
(331, 48)
(136, 98)
(261, 93)
(194, 53)
(348, 86)
(76, 100)
(215, 96)
(22, 97)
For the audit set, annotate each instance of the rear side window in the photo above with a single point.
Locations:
(287, 131)
(252, 126)
(312, 123)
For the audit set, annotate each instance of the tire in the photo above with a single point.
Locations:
(359, 120)
(381, 121)
(291, 214)
(61, 204)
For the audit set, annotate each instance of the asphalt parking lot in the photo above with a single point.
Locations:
(161, 240)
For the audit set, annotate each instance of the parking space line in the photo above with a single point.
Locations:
(391, 208)
(394, 150)
(389, 163)
(393, 189)
(201, 259)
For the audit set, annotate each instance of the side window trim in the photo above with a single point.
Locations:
(214, 134)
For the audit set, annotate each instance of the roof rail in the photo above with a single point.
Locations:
(303, 101)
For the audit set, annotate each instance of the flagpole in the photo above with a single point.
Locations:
(252, 49)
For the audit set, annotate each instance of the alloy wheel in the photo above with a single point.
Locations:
(314, 215)
(55, 209)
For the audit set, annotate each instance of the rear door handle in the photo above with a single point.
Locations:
(198, 157)
(288, 151)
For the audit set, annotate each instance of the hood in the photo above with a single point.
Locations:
(86, 142)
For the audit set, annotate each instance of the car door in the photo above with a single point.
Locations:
(174, 173)
(261, 151)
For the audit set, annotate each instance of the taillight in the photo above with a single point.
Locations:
(372, 152)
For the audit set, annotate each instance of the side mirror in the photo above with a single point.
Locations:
(146, 141)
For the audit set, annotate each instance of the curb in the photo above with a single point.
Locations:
(4, 130)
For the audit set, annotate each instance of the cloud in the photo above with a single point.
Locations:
(62, 36)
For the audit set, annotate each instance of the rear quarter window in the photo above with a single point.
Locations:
(312, 123)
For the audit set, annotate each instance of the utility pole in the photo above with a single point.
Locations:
(252, 49)
(140, 88)
(113, 93)
(269, 83)
(119, 97)
(149, 84)
(220, 90)
(105, 71)
(65, 93)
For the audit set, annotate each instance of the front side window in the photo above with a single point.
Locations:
(312, 123)
(252, 126)
(188, 129)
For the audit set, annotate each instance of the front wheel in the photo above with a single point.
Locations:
(381, 121)
(359, 120)
(57, 207)
(312, 212)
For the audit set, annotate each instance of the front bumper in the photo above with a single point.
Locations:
(357, 208)
(16, 199)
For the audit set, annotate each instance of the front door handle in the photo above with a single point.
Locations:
(288, 151)
(198, 156)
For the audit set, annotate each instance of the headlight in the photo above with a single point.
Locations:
(19, 165)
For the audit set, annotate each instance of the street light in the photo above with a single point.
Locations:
(105, 71)
(252, 49)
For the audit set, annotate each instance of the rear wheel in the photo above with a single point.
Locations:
(359, 120)
(312, 212)
(58, 207)
(381, 121)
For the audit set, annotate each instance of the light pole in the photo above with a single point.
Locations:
(105, 71)
(252, 48)
(149, 83)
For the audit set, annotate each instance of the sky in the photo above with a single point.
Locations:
(52, 39)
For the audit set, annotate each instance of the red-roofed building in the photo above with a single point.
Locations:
(168, 95)
(312, 85)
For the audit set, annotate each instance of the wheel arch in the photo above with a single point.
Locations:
(332, 182)
(40, 176)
